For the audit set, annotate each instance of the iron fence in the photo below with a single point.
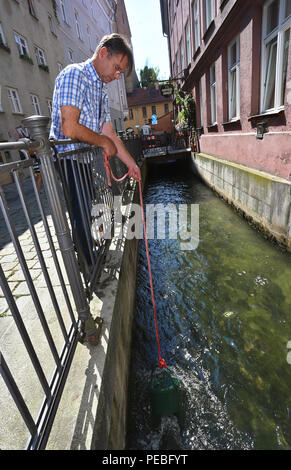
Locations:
(167, 142)
(71, 215)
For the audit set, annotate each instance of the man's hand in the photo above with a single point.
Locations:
(134, 171)
(108, 146)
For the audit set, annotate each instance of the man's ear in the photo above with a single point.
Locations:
(103, 52)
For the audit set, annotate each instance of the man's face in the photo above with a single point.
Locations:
(112, 66)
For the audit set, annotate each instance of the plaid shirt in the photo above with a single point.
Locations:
(79, 85)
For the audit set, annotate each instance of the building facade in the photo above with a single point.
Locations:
(82, 23)
(30, 57)
(143, 103)
(38, 38)
(234, 57)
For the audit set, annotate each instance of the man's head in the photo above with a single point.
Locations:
(112, 57)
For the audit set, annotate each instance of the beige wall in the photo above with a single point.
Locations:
(139, 119)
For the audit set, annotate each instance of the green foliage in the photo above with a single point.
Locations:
(148, 76)
(187, 110)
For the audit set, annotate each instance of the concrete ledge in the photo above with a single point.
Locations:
(262, 198)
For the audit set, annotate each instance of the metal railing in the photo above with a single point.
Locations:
(74, 184)
(166, 143)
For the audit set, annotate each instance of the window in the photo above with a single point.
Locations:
(275, 44)
(166, 108)
(154, 110)
(50, 106)
(78, 28)
(21, 44)
(182, 63)
(144, 111)
(70, 54)
(212, 83)
(51, 24)
(35, 104)
(89, 37)
(2, 37)
(188, 43)
(233, 79)
(130, 114)
(196, 22)
(201, 104)
(210, 9)
(31, 7)
(63, 9)
(14, 100)
(40, 56)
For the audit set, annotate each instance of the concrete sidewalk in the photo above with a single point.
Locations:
(92, 411)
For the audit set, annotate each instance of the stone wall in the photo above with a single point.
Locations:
(262, 198)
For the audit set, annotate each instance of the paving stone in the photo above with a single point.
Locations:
(9, 266)
(8, 258)
(22, 289)
(3, 306)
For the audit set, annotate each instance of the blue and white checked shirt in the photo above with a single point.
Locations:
(79, 85)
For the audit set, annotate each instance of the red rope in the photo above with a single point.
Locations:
(110, 174)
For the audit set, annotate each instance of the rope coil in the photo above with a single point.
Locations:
(110, 174)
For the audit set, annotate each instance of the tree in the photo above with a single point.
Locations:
(148, 76)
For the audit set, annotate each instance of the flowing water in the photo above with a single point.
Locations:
(224, 318)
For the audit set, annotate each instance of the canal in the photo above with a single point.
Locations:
(224, 316)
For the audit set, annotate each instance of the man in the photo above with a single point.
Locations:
(81, 109)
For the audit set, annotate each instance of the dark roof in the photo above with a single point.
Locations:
(141, 96)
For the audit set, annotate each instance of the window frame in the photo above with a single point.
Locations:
(14, 99)
(196, 24)
(35, 104)
(2, 35)
(209, 12)
(181, 54)
(22, 44)
(213, 100)
(188, 42)
(78, 25)
(277, 37)
(31, 8)
(63, 10)
(40, 56)
(233, 69)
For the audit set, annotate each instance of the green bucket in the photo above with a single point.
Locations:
(164, 394)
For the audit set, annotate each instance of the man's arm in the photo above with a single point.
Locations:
(122, 153)
(72, 129)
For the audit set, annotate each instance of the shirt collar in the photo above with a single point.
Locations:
(92, 72)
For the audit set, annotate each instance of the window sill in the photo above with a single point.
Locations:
(196, 53)
(233, 121)
(34, 16)
(208, 30)
(222, 4)
(4, 47)
(213, 127)
(275, 113)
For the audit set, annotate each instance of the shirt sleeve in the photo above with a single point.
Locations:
(71, 88)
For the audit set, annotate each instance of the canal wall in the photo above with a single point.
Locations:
(262, 198)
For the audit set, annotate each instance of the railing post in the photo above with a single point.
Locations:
(38, 129)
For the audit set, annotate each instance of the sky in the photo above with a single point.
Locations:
(150, 47)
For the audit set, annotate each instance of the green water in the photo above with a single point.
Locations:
(224, 316)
